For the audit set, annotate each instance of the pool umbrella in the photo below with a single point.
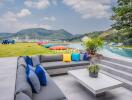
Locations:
(41, 43)
(48, 45)
(58, 48)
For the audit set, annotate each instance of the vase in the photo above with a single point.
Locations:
(93, 75)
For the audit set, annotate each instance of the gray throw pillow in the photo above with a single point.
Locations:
(81, 56)
(33, 81)
(35, 60)
(21, 82)
(22, 96)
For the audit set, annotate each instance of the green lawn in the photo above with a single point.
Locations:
(20, 49)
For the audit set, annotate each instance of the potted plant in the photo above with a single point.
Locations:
(93, 71)
(92, 45)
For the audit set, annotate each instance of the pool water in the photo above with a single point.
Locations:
(120, 51)
(108, 50)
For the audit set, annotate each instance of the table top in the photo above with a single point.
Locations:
(95, 85)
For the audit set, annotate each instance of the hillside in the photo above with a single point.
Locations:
(39, 33)
(91, 34)
(5, 35)
(108, 35)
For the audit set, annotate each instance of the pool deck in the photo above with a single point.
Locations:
(7, 78)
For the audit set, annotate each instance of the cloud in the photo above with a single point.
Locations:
(90, 8)
(54, 2)
(52, 18)
(11, 22)
(24, 13)
(40, 4)
(10, 16)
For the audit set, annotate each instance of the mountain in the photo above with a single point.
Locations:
(2, 35)
(40, 33)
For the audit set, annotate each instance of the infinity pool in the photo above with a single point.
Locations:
(120, 51)
(107, 50)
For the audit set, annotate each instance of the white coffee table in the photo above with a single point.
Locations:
(95, 85)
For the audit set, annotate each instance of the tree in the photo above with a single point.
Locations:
(92, 44)
(123, 19)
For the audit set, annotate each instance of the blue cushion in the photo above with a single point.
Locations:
(40, 72)
(75, 57)
(86, 57)
(28, 60)
(33, 79)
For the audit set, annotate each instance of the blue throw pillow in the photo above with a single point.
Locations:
(86, 57)
(33, 80)
(75, 57)
(40, 72)
(28, 60)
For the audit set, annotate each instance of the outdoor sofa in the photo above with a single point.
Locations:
(55, 65)
(51, 91)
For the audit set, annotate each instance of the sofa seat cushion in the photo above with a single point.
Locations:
(49, 92)
(61, 64)
(22, 96)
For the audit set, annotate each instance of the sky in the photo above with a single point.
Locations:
(75, 16)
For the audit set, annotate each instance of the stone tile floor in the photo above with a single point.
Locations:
(75, 91)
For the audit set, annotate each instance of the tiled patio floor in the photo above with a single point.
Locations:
(75, 91)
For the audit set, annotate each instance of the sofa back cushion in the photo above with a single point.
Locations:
(36, 60)
(51, 58)
(22, 96)
(21, 61)
(21, 82)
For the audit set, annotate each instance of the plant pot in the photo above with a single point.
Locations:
(93, 75)
(91, 52)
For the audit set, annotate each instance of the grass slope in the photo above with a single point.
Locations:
(21, 49)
